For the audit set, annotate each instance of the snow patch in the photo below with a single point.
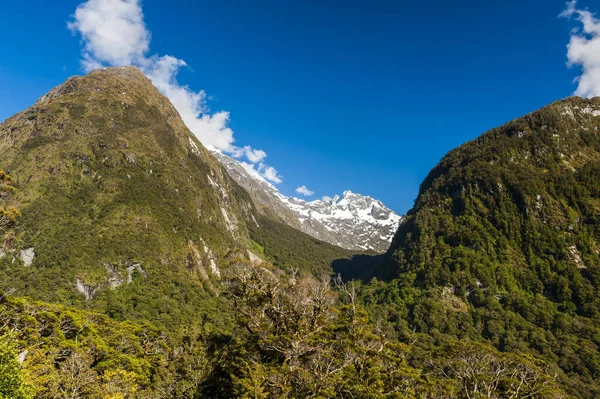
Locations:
(346, 218)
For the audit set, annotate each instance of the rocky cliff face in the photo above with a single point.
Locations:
(352, 221)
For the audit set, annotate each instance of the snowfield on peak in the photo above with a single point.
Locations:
(352, 221)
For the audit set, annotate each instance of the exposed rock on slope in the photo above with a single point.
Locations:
(353, 221)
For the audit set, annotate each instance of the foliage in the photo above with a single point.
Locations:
(290, 249)
(12, 381)
(482, 372)
(9, 214)
(295, 336)
(76, 354)
(303, 337)
(6, 184)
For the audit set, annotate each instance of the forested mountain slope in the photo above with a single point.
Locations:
(293, 337)
(122, 208)
(503, 243)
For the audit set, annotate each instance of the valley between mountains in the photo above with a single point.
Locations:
(136, 263)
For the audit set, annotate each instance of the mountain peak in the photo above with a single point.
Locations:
(105, 170)
(100, 79)
(350, 221)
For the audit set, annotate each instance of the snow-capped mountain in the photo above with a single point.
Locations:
(351, 221)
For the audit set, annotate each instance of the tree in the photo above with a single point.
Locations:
(12, 381)
(6, 187)
(118, 384)
(302, 341)
(483, 372)
(8, 213)
(77, 379)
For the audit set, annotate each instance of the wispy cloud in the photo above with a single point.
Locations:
(263, 171)
(250, 153)
(269, 173)
(584, 49)
(113, 33)
(304, 191)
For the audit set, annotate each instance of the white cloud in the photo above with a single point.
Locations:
(250, 168)
(250, 153)
(113, 33)
(304, 191)
(269, 173)
(584, 50)
(211, 129)
(262, 171)
(326, 198)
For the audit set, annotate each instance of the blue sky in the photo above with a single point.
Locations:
(366, 96)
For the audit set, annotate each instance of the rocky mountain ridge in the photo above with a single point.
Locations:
(352, 221)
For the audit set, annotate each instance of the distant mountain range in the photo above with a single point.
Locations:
(351, 221)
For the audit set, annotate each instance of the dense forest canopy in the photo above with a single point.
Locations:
(503, 244)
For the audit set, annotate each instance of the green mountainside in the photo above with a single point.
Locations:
(503, 244)
(123, 211)
(122, 208)
(290, 249)
(293, 337)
